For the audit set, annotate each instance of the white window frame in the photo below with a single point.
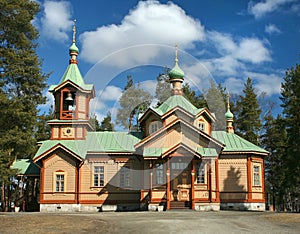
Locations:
(61, 188)
(160, 174)
(256, 175)
(202, 126)
(201, 173)
(154, 126)
(98, 181)
(125, 177)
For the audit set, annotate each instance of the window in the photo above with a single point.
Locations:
(200, 173)
(154, 126)
(179, 165)
(160, 174)
(124, 177)
(60, 183)
(99, 176)
(202, 126)
(256, 176)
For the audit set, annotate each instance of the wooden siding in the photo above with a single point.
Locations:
(172, 138)
(207, 124)
(169, 119)
(62, 163)
(81, 103)
(79, 132)
(55, 132)
(233, 174)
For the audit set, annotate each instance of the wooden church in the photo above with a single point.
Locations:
(176, 161)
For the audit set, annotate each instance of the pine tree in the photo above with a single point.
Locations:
(133, 102)
(197, 100)
(43, 128)
(248, 123)
(106, 124)
(290, 97)
(21, 81)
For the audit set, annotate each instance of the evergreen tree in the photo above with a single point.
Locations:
(197, 100)
(43, 128)
(248, 123)
(216, 100)
(95, 122)
(106, 124)
(274, 140)
(163, 87)
(133, 102)
(21, 81)
(290, 97)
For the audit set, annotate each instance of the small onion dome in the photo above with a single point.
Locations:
(228, 114)
(73, 48)
(176, 72)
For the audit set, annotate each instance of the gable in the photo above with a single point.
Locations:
(176, 133)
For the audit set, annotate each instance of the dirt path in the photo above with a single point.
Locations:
(151, 222)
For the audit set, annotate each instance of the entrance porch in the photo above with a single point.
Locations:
(182, 182)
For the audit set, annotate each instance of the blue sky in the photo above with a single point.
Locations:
(227, 41)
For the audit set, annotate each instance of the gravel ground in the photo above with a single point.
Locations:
(151, 222)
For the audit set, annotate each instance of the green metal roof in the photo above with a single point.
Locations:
(207, 152)
(73, 74)
(234, 142)
(176, 100)
(25, 167)
(157, 152)
(153, 152)
(108, 142)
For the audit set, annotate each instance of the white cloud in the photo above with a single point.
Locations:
(55, 22)
(245, 49)
(149, 85)
(234, 85)
(223, 42)
(110, 93)
(252, 50)
(272, 29)
(49, 102)
(268, 83)
(262, 8)
(150, 22)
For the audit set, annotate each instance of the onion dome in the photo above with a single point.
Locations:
(228, 114)
(176, 72)
(73, 48)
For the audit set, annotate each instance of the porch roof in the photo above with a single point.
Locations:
(106, 142)
(157, 152)
(25, 167)
(234, 143)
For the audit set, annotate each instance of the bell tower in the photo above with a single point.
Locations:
(72, 97)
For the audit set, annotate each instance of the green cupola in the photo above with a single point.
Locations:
(228, 114)
(176, 76)
(229, 117)
(176, 72)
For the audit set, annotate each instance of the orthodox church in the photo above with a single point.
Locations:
(176, 161)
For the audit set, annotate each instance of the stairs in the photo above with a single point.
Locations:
(180, 205)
